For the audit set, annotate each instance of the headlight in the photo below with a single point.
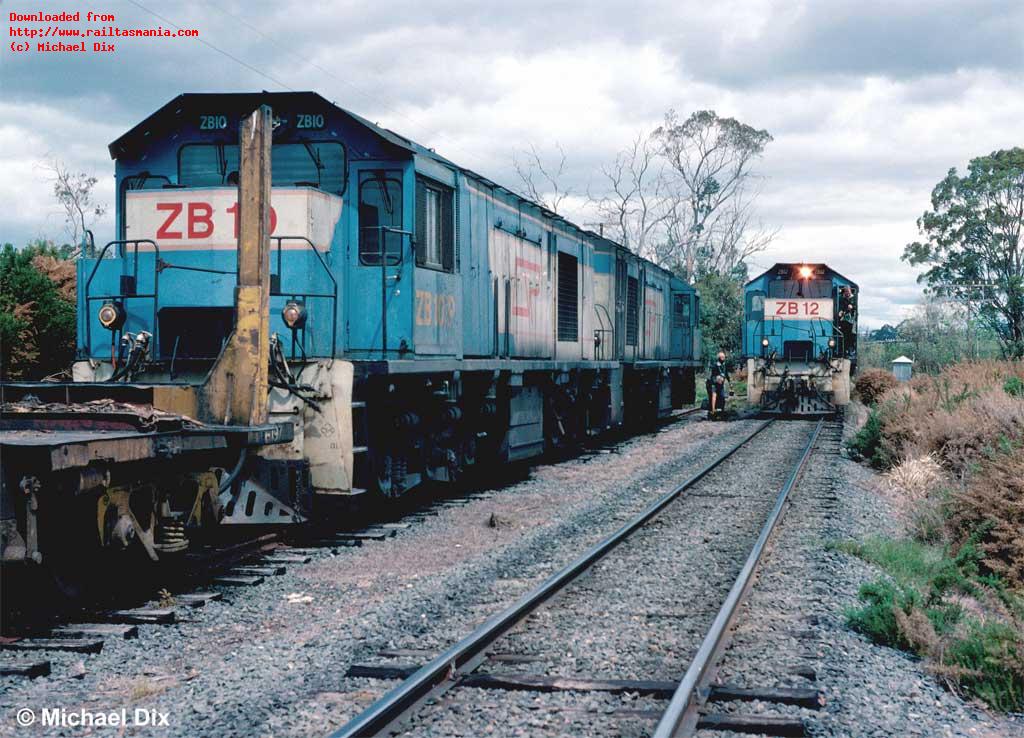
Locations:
(831, 343)
(764, 342)
(112, 315)
(805, 272)
(294, 315)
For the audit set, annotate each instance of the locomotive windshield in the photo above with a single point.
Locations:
(310, 164)
(810, 288)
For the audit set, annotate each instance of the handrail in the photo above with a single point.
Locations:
(155, 296)
(602, 331)
(835, 333)
(332, 296)
(90, 249)
(161, 265)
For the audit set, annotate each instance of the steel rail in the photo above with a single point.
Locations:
(442, 672)
(681, 713)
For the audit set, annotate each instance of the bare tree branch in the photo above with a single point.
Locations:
(636, 199)
(74, 192)
(542, 183)
(710, 159)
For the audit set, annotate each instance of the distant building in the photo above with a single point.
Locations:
(902, 368)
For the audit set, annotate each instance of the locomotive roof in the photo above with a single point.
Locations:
(168, 118)
(783, 264)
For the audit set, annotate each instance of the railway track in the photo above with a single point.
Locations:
(211, 573)
(482, 679)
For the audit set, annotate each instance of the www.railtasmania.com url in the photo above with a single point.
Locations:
(63, 32)
(101, 32)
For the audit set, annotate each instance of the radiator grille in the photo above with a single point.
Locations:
(632, 310)
(568, 298)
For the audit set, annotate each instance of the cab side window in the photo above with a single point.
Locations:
(435, 232)
(755, 305)
(681, 310)
(380, 217)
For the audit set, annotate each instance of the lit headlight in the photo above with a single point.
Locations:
(805, 272)
(764, 342)
(831, 343)
(294, 315)
(111, 316)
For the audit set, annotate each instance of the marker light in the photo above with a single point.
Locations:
(805, 272)
(294, 315)
(764, 342)
(831, 343)
(111, 316)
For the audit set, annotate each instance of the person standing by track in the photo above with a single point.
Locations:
(717, 377)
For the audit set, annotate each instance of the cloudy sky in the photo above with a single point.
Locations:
(870, 102)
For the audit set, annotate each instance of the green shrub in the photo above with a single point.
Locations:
(918, 608)
(1014, 387)
(990, 664)
(867, 442)
(37, 311)
(877, 618)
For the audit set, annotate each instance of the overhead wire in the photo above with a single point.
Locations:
(219, 50)
(377, 100)
(424, 133)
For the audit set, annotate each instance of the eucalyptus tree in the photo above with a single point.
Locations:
(710, 163)
(972, 246)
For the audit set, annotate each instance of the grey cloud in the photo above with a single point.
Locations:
(872, 37)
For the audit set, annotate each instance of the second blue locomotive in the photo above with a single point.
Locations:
(800, 339)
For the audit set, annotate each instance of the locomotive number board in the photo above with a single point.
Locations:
(797, 308)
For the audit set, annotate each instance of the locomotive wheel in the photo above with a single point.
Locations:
(382, 477)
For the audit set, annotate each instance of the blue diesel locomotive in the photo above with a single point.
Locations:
(800, 339)
(425, 319)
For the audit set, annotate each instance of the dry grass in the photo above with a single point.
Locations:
(917, 486)
(144, 688)
(916, 478)
(993, 500)
(953, 445)
(959, 417)
(963, 429)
